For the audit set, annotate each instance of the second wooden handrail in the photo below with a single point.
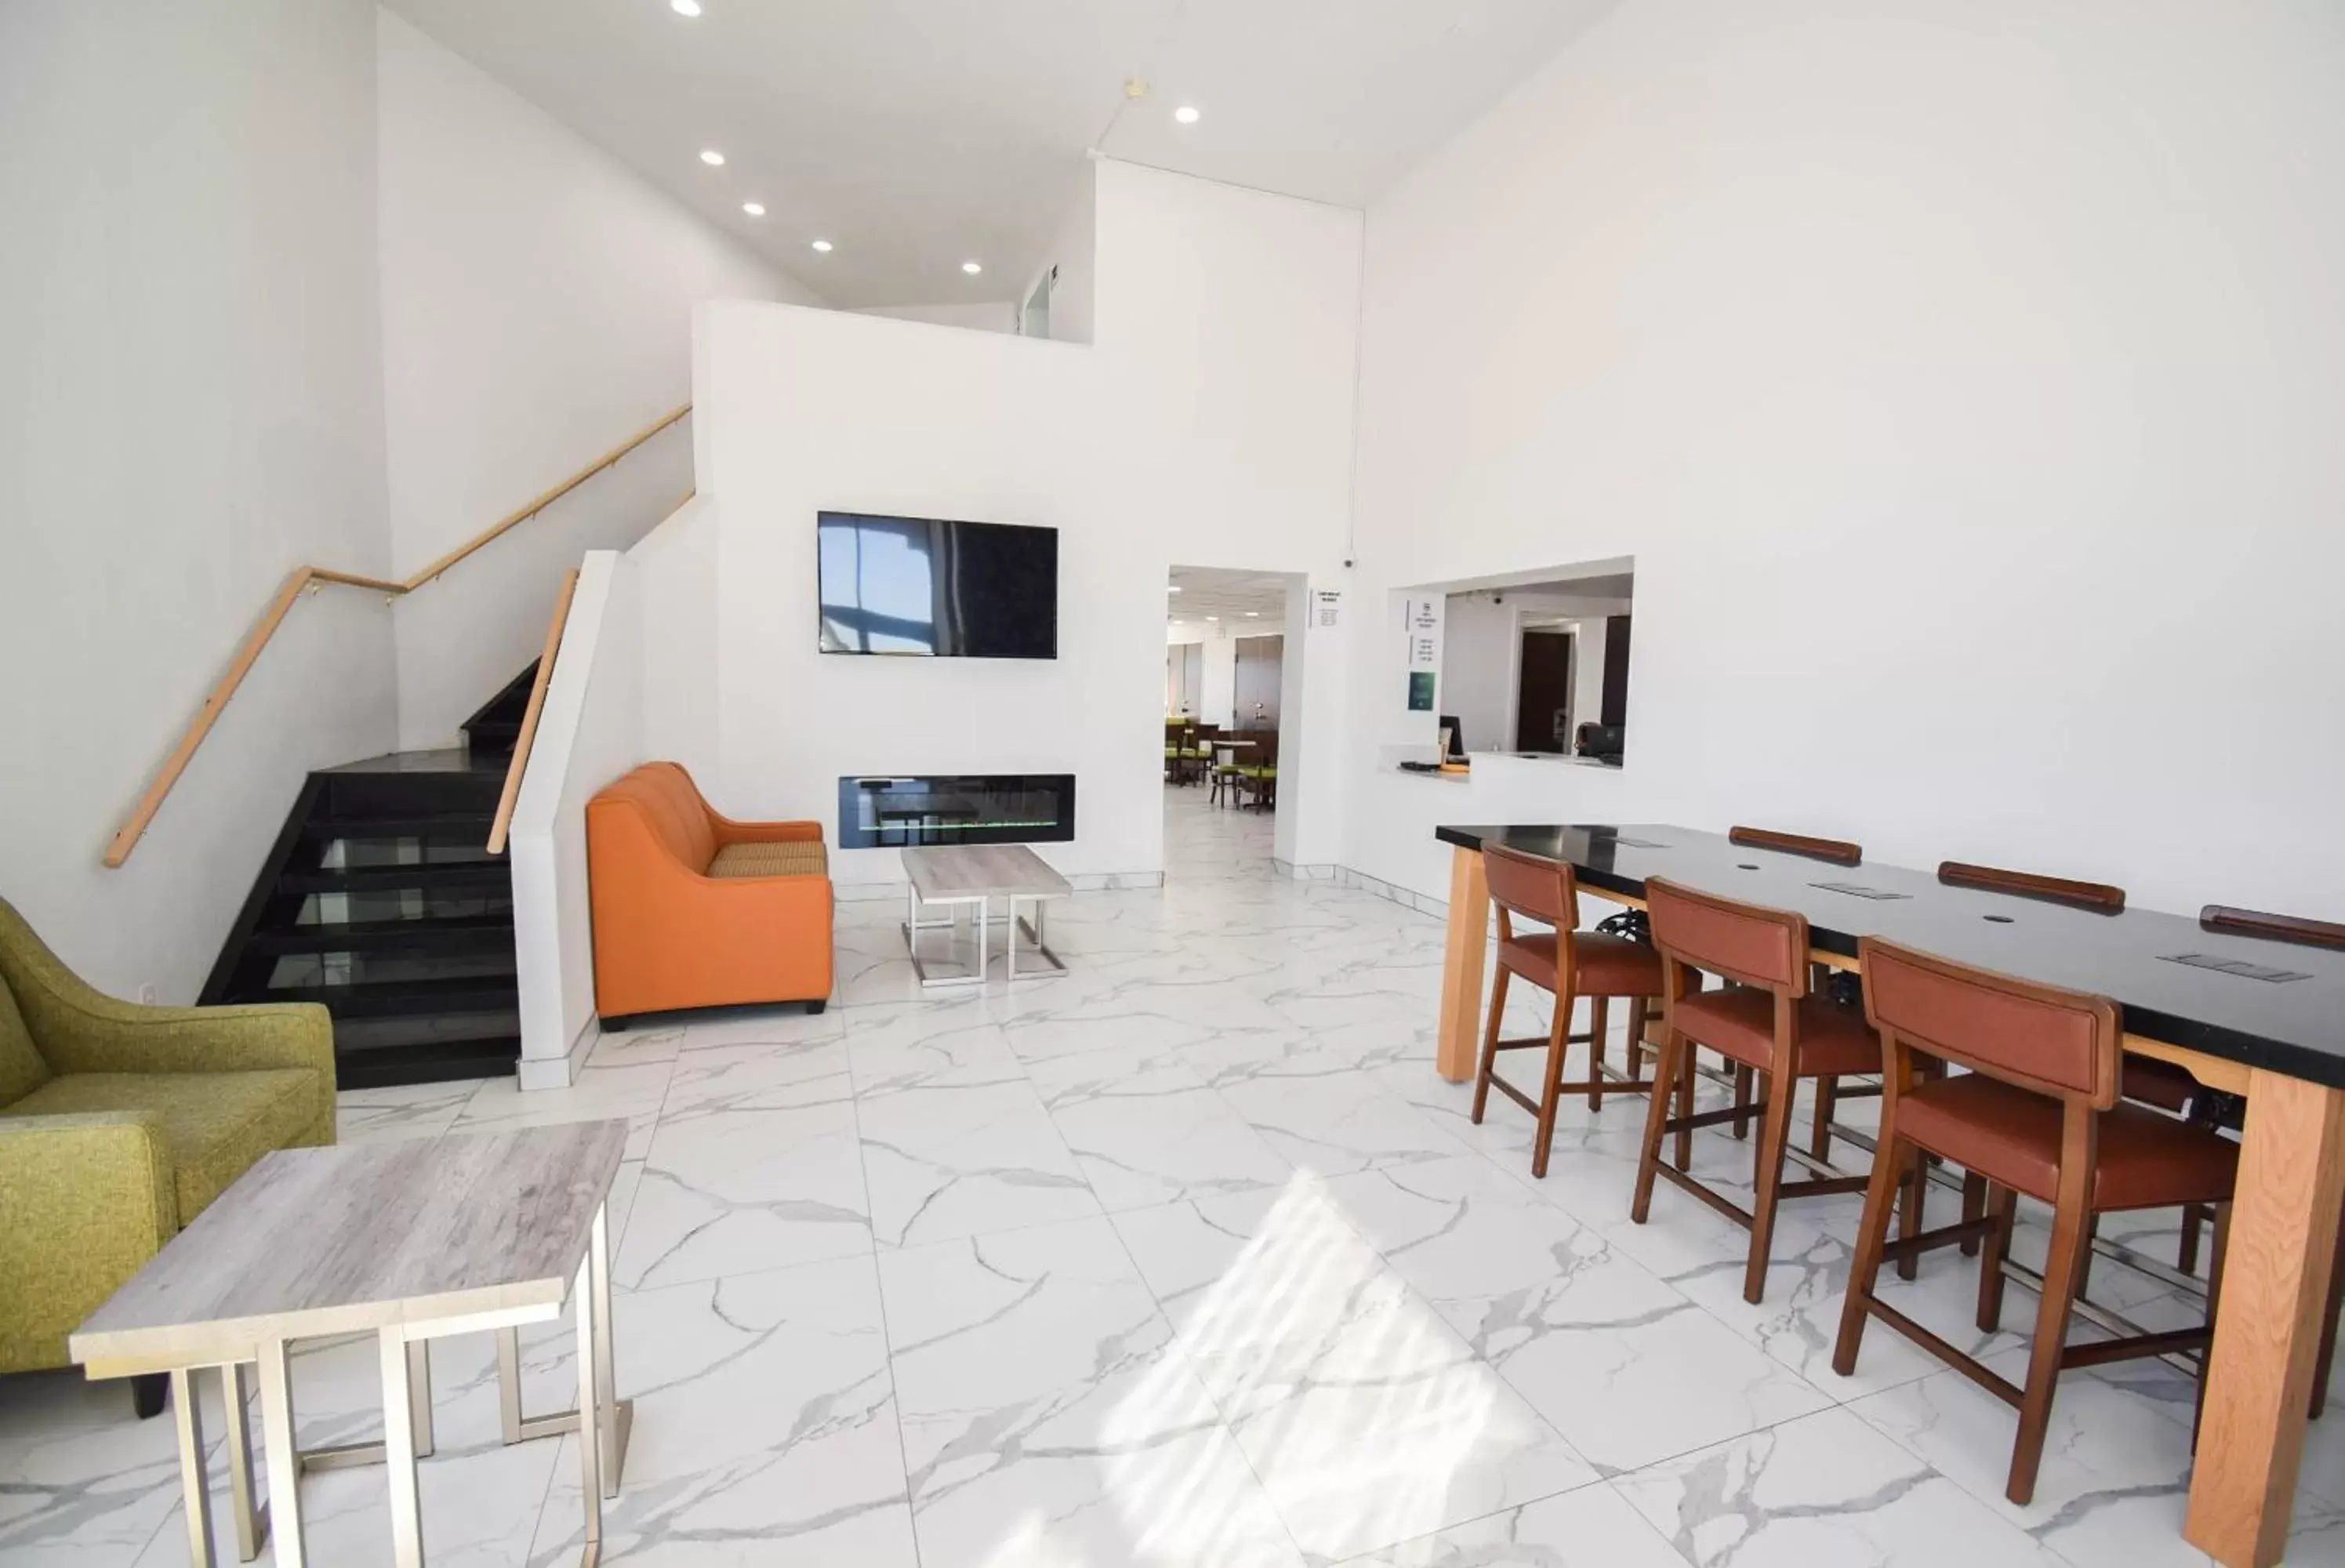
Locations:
(309, 577)
(528, 737)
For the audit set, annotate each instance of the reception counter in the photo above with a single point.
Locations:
(1398, 809)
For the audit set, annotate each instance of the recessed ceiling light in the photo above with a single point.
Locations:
(684, 7)
(972, 268)
(1172, 587)
(1213, 618)
(823, 245)
(1254, 614)
(712, 158)
(1186, 113)
(754, 208)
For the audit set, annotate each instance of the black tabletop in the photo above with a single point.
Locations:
(2274, 1005)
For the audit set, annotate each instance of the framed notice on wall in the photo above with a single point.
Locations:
(1326, 607)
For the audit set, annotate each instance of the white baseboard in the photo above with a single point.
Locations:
(559, 1072)
(1436, 907)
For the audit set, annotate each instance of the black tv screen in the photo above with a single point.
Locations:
(919, 587)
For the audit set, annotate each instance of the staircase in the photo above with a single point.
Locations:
(381, 900)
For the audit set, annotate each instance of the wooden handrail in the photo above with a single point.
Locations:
(311, 577)
(528, 737)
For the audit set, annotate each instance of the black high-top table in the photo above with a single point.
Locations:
(2251, 1016)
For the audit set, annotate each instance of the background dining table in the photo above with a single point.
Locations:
(2253, 1016)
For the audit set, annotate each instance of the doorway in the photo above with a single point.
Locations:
(1543, 702)
(1228, 705)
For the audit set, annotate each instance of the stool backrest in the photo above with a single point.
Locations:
(1744, 942)
(1839, 851)
(2060, 1043)
(2099, 896)
(1542, 890)
(2273, 927)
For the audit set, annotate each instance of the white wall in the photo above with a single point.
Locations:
(1074, 252)
(590, 731)
(1217, 306)
(984, 316)
(1231, 316)
(803, 410)
(631, 682)
(1480, 653)
(1951, 373)
(537, 309)
(190, 406)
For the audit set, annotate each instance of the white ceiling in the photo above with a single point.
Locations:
(919, 134)
(1237, 598)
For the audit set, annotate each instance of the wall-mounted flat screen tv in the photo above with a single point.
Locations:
(919, 587)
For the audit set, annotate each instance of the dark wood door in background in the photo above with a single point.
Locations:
(1261, 661)
(1616, 670)
(1543, 700)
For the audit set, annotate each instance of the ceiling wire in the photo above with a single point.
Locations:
(1146, 78)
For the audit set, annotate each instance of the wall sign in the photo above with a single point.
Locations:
(1326, 607)
(1422, 623)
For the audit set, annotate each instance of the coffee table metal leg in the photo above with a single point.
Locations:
(251, 1520)
(590, 1418)
(509, 1383)
(604, 1409)
(277, 1438)
(195, 1485)
(419, 1395)
(399, 1445)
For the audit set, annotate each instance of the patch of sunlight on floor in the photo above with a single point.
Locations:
(1344, 1384)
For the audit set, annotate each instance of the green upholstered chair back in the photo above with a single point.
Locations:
(22, 1070)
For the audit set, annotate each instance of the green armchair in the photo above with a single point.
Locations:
(120, 1123)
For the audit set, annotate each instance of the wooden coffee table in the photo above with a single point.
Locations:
(975, 875)
(409, 1241)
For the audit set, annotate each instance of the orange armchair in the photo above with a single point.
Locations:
(693, 909)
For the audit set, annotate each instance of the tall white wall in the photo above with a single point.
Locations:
(630, 683)
(190, 406)
(537, 310)
(1074, 252)
(1964, 381)
(1217, 307)
(805, 411)
(981, 316)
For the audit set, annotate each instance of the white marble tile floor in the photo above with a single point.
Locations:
(1187, 1258)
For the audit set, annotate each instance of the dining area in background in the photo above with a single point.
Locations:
(2028, 1037)
(1225, 673)
(1238, 767)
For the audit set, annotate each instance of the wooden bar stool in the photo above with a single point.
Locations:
(1834, 851)
(1570, 963)
(1765, 1019)
(2150, 1082)
(2037, 1113)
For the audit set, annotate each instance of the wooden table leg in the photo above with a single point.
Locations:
(1461, 966)
(2268, 1332)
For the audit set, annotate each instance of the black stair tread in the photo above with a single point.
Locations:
(465, 932)
(427, 824)
(447, 1061)
(398, 998)
(424, 1030)
(371, 878)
